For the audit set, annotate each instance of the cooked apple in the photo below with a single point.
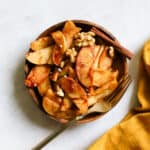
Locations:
(82, 106)
(102, 60)
(56, 55)
(72, 88)
(101, 77)
(50, 93)
(98, 50)
(50, 106)
(67, 70)
(66, 104)
(69, 31)
(37, 75)
(110, 86)
(41, 43)
(70, 28)
(69, 40)
(69, 114)
(92, 100)
(91, 90)
(102, 92)
(105, 61)
(100, 71)
(60, 40)
(44, 86)
(84, 62)
(96, 54)
(87, 61)
(51, 103)
(57, 107)
(40, 57)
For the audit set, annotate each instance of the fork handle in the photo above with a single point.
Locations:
(49, 138)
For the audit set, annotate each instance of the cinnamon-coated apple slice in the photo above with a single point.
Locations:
(41, 43)
(105, 61)
(98, 50)
(84, 62)
(40, 57)
(66, 104)
(44, 86)
(37, 75)
(72, 88)
(64, 38)
(70, 28)
(60, 40)
(100, 77)
(102, 92)
(56, 55)
(51, 103)
(102, 60)
(69, 31)
(56, 107)
(82, 106)
(50, 106)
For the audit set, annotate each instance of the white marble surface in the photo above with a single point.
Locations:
(22, 125)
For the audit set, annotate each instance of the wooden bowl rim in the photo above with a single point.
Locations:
(53, 28)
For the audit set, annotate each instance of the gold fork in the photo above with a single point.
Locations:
(108, 103)
(113, 99)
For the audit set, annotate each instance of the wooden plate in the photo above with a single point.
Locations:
(120, 64)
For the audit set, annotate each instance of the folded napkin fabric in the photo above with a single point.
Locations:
(133, 132)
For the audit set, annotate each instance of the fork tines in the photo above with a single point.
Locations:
(119, 91)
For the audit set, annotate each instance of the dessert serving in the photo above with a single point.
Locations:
(69, 69)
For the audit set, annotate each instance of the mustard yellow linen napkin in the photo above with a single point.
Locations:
(133, 132)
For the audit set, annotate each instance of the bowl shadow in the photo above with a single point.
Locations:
(25, 103)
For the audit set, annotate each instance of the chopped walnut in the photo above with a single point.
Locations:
(91, 33)
(111, 51)
(72, 54)
(62, 64)
(59, 91)
(84, 39)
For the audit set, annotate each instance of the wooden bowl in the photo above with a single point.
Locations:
(120, 64)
